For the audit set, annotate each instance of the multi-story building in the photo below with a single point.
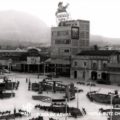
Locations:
(95, 65)
(67, 39)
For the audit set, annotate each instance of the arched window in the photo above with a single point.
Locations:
(104, 65)
(75, 63)
(94, 65)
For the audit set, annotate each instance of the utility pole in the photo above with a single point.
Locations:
(111, 100)
(66, 109)
(85, 72)
(77, 100)
(38, 68)
(44, 68)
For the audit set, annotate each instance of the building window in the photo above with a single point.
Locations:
(67, 42)
(62, 41)
(54, 33)
(104, 65)
(66, 51)
(75, 63)
(75, 43)
(85, 64)
(74, 50)
(62, 33)
(82, 34)
(87, 35)
(94, 65)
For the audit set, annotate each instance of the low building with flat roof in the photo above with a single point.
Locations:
(29, 60)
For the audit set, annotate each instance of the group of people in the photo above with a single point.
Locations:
(89, 95)
(52, 109)
(88, 84)
(84, 111)
(24, 112)
(17, 85)
(37, 118)
(41, 118)
(7, 112)
(16, 113)
(74, 112)
(27, 80)
(29, 83)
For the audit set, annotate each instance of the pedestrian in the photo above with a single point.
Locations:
(38, 76)
(26, 80)
(84, 111)
(14, 111)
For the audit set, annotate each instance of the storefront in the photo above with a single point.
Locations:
(30, 60)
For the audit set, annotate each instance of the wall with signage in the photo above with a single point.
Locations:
(62, 41)
(75, 32)
(33, 60)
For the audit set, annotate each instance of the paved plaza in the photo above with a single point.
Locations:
(23, 99)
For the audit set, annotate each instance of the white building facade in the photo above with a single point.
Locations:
(96, 65)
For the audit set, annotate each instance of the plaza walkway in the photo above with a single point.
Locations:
(23, 99)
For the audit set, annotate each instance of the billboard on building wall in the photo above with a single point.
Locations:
(75, 32)
(33, 60)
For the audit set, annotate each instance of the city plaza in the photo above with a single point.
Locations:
(71, 61)
(23, 99)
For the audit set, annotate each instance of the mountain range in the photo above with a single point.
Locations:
(104, 41)
(19, 28)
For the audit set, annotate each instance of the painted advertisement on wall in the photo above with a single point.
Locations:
(33, 60)
(61, 13)
(75, 32)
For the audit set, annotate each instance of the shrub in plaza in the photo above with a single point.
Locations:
(97, 97)
(101, 81)
(48, 99)
(35, 86)
(10, 85)
(114, 117)
(37, 118)
(29, 85)
(7, 95)
(5, 115)
(42, 98)
(74, 112)
(81, 83)
(103, 98)
(41, 118)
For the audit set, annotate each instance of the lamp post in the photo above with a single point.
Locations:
(9, 64)
(85, 72)
(38, 68)
(90, 86)
(111, 101)
(55, 69)
(77, 100)
(43, 63)
(12, 88)
(44, 68)
(66, 109)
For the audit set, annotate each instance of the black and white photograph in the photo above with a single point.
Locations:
(59, 60)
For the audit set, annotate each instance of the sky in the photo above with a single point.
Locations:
(103, 15)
